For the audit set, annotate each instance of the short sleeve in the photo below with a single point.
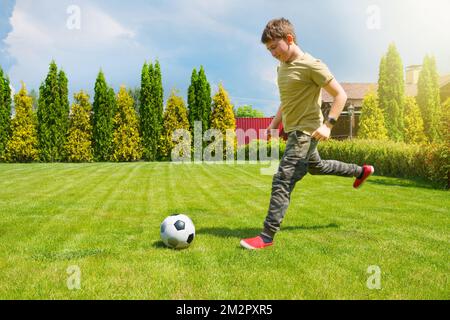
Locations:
(320, 73)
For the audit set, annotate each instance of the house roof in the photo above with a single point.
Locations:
(357, 91)
(444, 80)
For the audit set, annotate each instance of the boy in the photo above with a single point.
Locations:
(300, 79)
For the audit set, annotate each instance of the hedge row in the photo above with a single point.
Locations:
(395, 159)
(430, 162)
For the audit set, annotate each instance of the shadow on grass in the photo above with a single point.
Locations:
(403, 182)
(244, 232)
(251, 232)
(159, 245)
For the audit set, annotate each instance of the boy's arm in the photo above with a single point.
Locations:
(275, 122)
(340, 97)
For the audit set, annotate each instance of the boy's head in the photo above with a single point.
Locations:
(278, 29)
(279, 36)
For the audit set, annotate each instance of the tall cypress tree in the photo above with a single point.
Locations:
(145, 111)
(382, 97)
(158, 107)
(203, 95)
(5, 112)
(63, 117)
(391, 93)
(428, 99)
(104, 110)
(193, 112)
(199, 100)
(151, 110)
(53, 113)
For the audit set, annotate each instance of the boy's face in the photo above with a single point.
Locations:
(280, 48)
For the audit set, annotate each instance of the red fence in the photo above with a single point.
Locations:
(248, 129)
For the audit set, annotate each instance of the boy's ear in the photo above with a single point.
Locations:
(290, 39)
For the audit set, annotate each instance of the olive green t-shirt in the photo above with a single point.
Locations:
(300, 82)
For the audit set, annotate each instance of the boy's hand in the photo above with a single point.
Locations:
(268, 131)
(322, 133)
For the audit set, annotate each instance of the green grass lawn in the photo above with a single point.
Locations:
(104, 219)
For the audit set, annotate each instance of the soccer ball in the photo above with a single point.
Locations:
(177, 231)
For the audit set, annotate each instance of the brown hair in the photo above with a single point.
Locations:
(278, 29)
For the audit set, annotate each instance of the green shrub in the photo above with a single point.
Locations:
(396, 159)
(437, 162)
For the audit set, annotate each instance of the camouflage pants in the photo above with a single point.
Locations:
(300, 157)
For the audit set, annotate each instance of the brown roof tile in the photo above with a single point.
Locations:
(357, 91)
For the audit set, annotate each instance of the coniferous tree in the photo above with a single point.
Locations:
(79, 140)
(203, 94)
(371, 122)
(65, 106)
(446, 122)
(52, 115)
(175, 117)
(5, 112)
(151, 110)
(428, 99)
(158, 108)
(414, 130)
(222, 118)
(135, 94)
(23, 145)
(104, 110)
(391, 93)
(382, 98)
(193, 110)
(199, 100)
(445, 135)
(126, 139)
(145, 110)
(34, 96)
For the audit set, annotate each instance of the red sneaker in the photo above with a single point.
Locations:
(255, 243)
(367, 172)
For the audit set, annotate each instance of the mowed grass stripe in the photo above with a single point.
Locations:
(63, 223)
(110, 229)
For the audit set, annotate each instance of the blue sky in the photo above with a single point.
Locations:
(350, 36)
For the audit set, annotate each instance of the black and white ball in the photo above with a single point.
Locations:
(177, 231)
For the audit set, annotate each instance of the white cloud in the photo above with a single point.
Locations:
(101, 26)
(134, 35)
(37, 38)
(221, 35)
